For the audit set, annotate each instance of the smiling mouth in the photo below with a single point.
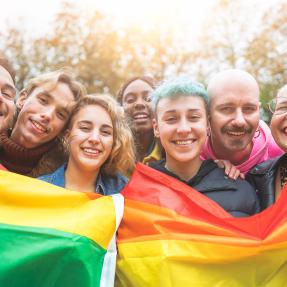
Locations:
(183, 142)
(236, 134)
(91, 152)
(140, 116)
(39, 127)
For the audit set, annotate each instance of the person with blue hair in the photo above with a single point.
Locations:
(181, 123)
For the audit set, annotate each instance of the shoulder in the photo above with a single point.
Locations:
(111, 184)
(266, 166)
(57, 177)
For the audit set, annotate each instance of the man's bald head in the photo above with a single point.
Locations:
(226, 81)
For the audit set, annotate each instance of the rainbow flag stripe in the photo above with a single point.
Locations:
(50, 236)
(171, 235)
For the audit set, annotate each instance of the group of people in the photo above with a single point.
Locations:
(54, 131)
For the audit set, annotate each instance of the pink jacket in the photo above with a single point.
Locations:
(264, 148)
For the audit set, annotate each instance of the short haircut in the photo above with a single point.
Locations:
(149, 80)
(6, 64)
(122, 157)
(53, 78)
(177, 87)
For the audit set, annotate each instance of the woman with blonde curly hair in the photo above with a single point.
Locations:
(101, 149)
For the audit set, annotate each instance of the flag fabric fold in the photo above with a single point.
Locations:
(50, 236)
(172, 235)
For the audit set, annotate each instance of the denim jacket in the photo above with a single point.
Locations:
(105, 185)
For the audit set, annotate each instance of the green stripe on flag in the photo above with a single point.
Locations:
(31, 256)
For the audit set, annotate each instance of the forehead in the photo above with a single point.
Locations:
(137, 86)
(5, 77)
(180, 104)
(95, 114)
(60, 92)
(235, 93)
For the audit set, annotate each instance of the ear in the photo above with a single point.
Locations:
(208, 128)
(67, 134)
(21, 99)
(155, 128)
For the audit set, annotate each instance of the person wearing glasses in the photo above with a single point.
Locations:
(270, 176)
(237, 133)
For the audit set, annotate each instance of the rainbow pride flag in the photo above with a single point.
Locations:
(171, 235)
(50, 236)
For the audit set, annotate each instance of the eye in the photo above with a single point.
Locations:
(147, 98)
(194, 118)
(85, 128)
(226, 110)
(129, 100)
(170, 119)
(8, 95)
(107, 132)
(62, 115)
(43, 100)
(249, 110)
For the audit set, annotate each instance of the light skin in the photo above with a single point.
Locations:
(7, 97)
(278, 123)
(181, 124)
(137, 106)
(90, 144)
(234, 114)
(43, 115)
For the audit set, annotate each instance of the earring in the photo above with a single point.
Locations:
(257, 133)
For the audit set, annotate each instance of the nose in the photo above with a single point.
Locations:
(183, 126)
(47, 114)
(140, 103)
(94, 137)
(239, 119)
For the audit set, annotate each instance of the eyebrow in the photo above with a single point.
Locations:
(48, 95)
(90, 123)
(174, 111)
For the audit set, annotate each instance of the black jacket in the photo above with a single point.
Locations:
(262, 177)
(237, 197)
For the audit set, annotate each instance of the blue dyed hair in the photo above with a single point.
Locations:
(176, 88)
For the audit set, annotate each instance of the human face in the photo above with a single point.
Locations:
(137, 106)
(278, 123)
(43, 115)
(234, 118)
(7, 97)
(181, 125)
(91, 138)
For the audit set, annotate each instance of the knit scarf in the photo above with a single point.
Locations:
(18, 159)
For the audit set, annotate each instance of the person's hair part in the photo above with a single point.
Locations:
(178, 87)
(53, 78)
(149, 80)
(6, 64)
(122, 157)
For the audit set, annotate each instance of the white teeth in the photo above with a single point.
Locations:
(91, 151)
(236, 133)
(184, 142)
(140, 116)
(39, 127)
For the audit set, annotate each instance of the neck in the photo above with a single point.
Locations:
(143, 141)
(80, 180)
(185, 170)
(235, 157)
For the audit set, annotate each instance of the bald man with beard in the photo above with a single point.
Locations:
(237, 133)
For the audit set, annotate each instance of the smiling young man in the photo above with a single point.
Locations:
(44, 109)
(8, 93)
(181, 124)
(237, 134)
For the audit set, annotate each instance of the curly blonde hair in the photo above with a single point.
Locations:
(122, 157)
